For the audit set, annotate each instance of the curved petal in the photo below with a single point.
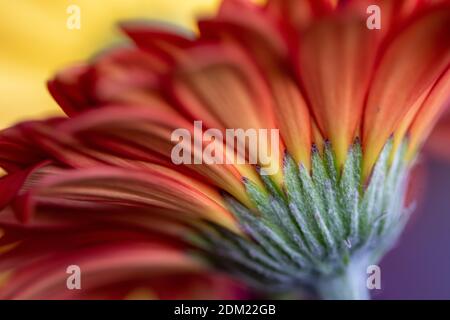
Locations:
(215, 82)
(113, 264)
(136, 136)
(162, 40)
(335, 64)
(258, 35)
(410, 66)
(122, 75)
(300, 13)
(16, 151)
(439, 137)
(429, 113)
(104, 187)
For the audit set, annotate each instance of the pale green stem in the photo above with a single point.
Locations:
(349, 285)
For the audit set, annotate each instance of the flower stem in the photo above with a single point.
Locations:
(349, 285)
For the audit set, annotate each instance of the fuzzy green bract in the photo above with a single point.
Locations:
(320, 232)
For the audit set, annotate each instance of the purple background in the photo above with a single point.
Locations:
(419, 267)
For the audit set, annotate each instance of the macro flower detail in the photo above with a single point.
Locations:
(99, 189)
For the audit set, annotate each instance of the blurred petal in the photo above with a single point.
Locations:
(300, 13)
(439, 138)
(429, 113)
(257, 34)
(113, 264)
(409, 67)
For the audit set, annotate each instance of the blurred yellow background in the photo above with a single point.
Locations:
(35, 42)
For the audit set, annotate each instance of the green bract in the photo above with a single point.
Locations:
(322, 230)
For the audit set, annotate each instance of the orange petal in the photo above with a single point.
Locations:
(411, 64)
(300, 13)
(158, 187)
(439, 137)
(257, 34)
(335, 63)
(216, 82)
(130, 137)
(429, 113)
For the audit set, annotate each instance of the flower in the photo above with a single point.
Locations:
(352, 105)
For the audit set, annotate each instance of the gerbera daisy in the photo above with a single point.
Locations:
(98, 189)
